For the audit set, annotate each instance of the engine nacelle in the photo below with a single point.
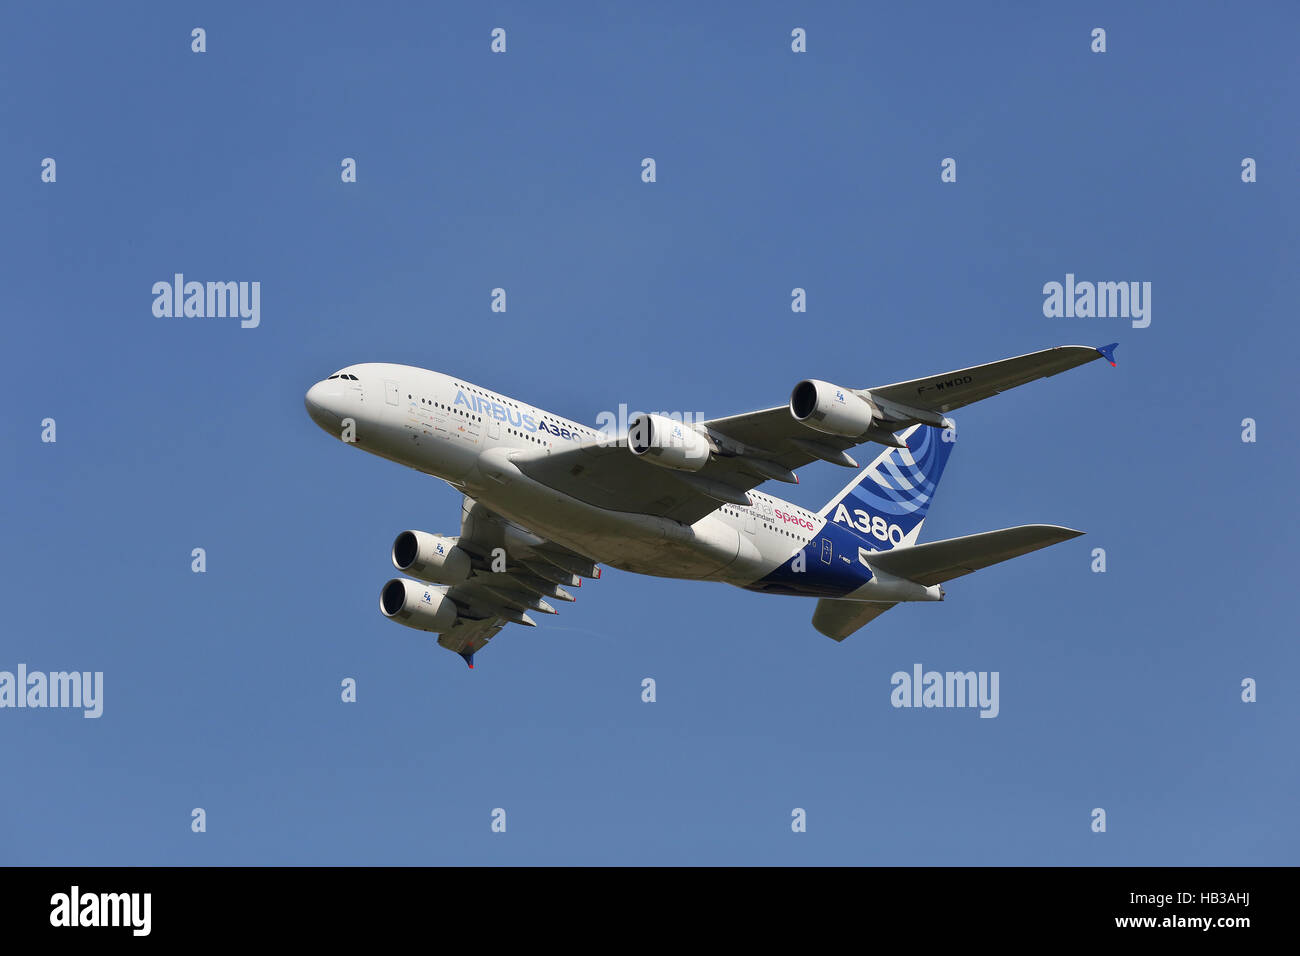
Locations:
(667, 443)
(831, 409)
(416, 605)
(431, 557)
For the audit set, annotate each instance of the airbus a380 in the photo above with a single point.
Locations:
(548, 500)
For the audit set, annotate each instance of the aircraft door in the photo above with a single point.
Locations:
(390, 392)
(826, 550)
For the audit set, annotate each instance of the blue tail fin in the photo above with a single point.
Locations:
(887, 502)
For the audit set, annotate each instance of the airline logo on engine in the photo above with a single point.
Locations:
(876, 526)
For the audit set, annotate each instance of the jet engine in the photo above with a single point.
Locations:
(416, 605)
(667, 443)
(831, 409)
(431, 557)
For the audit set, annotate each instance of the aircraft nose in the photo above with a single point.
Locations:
(321, 401)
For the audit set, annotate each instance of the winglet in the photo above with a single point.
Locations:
(1108, 353)
(469, 658)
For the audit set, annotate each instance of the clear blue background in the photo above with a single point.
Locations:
(1118, 690)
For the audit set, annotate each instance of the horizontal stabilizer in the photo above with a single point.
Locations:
(934, 563)
(838, 619)
(939, 561)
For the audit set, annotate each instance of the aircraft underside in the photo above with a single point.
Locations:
(547, 500)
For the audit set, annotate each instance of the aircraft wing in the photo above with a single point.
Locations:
(535, 573)
(943, 393)
(748, 449)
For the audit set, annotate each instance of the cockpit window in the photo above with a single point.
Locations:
(332, 376)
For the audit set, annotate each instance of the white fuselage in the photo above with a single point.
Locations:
(467, 435)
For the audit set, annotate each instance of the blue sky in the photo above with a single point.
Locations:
(775, 170)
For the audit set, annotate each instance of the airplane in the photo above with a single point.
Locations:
(548, 500)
